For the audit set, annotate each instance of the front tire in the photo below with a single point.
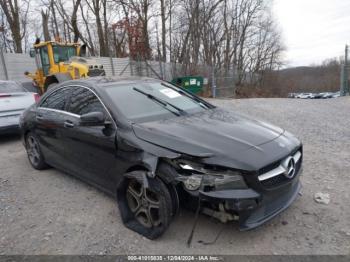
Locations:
(34, 153)
(146, 210)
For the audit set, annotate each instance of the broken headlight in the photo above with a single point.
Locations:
(195, 176)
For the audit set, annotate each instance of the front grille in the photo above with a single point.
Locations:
(96, 72)
(275, 181)
(269, 167)
(281, 179)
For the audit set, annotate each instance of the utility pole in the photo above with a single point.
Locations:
(213, 83)
(344, 87)
(346, 71)
(110, 51)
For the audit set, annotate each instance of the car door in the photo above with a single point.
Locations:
(91, 149)
(50, 123)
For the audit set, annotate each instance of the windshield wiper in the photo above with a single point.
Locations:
(199, 101)
(162, 102)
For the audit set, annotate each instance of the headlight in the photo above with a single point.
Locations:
(193, 182)
(186, 166)
(199, 177)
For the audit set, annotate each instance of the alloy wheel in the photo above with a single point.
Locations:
(144, 204)
(33, 150)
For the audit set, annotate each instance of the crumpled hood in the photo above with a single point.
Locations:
(213, 132)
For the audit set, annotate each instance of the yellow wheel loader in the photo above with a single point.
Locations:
(58, 62)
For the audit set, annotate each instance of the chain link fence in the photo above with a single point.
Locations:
(216, 83)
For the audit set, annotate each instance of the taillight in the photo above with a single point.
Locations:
(4, 95)
(36, 97)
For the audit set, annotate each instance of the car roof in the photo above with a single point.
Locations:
(100, 82)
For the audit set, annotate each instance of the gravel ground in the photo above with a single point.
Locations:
(49, 212)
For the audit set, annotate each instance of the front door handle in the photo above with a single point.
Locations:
(68, 124)
(39, 117)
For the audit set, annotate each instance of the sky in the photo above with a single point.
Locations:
(313, 30)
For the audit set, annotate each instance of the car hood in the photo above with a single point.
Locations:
(213, 132)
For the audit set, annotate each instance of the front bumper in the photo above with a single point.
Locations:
(255, 208)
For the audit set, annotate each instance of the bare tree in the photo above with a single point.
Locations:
(98, 6)
(74, 22)
(56, 31)
(163, 21)
(233, 38)
(71, 23)
(45, 23)
(16, 17)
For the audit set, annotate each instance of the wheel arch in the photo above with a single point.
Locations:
(164, 172)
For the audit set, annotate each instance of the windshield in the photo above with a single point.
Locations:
(154, 101)
(63, 53)
(10, 87)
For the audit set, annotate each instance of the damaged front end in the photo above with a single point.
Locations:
(229, 195)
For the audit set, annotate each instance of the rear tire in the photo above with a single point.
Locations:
(146, 211)
(34, 153)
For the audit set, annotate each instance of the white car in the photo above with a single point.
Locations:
(336, 94)
(327, 95)
(305, 95)
(14, 99)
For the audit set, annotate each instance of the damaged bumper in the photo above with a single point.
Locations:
(254, 208)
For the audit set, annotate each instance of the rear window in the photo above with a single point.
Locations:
(11, 87)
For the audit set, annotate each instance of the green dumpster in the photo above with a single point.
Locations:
(193, 84)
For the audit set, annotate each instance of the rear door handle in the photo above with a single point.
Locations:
(68, 124)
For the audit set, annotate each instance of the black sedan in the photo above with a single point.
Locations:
(155, 146)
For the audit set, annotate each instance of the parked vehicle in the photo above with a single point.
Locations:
(336, 94)
(14, 99)
(326, 95)
(322, 95)
(154, 146)
(304, 95)
(59, 61)
(318, 96)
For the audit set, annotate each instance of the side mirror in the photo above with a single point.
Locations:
(92, 119)
(32, 52)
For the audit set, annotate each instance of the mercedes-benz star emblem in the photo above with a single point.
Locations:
(290, 172)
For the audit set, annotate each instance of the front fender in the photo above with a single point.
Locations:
(143, 153)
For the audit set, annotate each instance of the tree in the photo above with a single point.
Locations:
(16, 17)
(45, 23)
(141, 9)
(96, 6)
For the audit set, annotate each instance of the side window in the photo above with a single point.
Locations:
(83, 101)
(45, 62)
(57, 100)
